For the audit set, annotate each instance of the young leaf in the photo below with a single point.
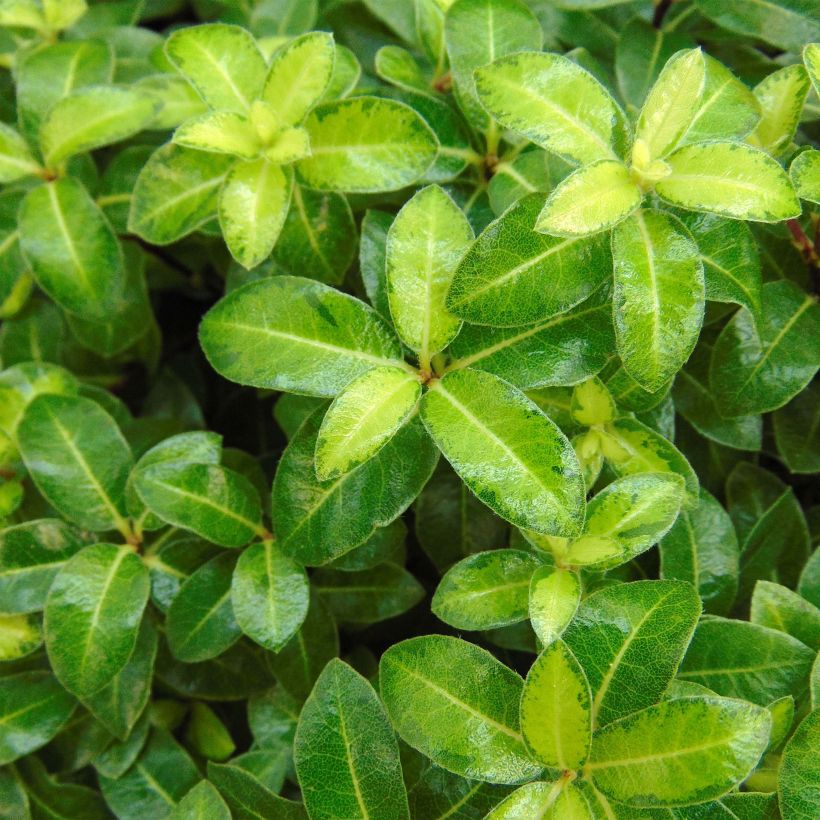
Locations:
(202, 801)
(16, 159)
(701, 548)
(658, 299)
(318, 521)
(541, 96)
(222, 62)
(33, 708)
(554, 598)
(91, 118)
(299, 75)
(92, 616)
(201, 623)
(629, 639)
(220, 505)
(424, 246)
(343, 720)
(507, 451)
(365, 145)
(627, 518)
(441, 693)
(363, 418)
(72, 251)
(486, 590)
(220, 132)
(544, 276)
(758, 368)
(671, 104)
(738, 659)
(253, 204)
(781, 96)
(176, 193)
(269, 594)
(679, 752)
(799, 768)
(476, 32)
(78, 458)
(595, 197)
(302, 336)
(731, 179)
(805, 175)
(556, 716)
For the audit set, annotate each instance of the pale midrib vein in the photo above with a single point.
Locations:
(67, 238)
(708, 260)
(224, 74)
(307, 227)
(188, 193)
(506, 730)
(473, 594)
(689, 750)
(206, 617)
(354, 778)
(653, 289)
(76, 135)
(206, 502)
(717, 181)
(152, 781)
(735, 670)
(30, 707)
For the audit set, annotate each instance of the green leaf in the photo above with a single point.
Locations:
(220, 132)
(92, 117)
(201, 803)
(340, 725)
(220, 505)
(556, 716)
(679, 752)
(201, 623)
(366, 145)
(248, 799)
(438, 791)
(777, 607)
(476, 32)
(206, 735)
(317, 521)
(561, 350)
(253, 204)
(300, 662)
(300, 336)
(738, 659)
(545, 275)
(33, 708)
(554, 598)
(799, 768)
(16, 159)
(385, 544)
(71, 250)
(805, 175)
(269, 594)
(593, 198)
(486, 590)
(548, 801)
(507, 451)
(658, 298)
(92, 616)
(788, 24)
(797, 432)
(629, 639)
(299, 75)
(670, 106)
(363, 418)
(176, 193)
(424, 246)
(78, 458)
(222, 63)
(540, 95)
(162, 775)
(731, 179)
(702, 548)
(369, 595)
(781, 96)
(441, 693)
(627, 518)
(758, 368)
(31, 554)
(57, 799)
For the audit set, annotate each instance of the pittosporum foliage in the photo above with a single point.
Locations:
(407, 409)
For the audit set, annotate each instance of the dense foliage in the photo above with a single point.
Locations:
(407, 409)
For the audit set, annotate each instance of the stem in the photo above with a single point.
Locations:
(804, 244)
(660, 12)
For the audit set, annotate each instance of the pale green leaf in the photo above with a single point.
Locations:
(365, 145)
(441, 693)
(679, 752)
(363, 418)
(781, 96)
(253, 204)
(220, 132)
(16, 159)
(507, 451)
(288, 333)
(556, 711)
(777, 607)
(425, 243)
(593, 198)
(805, 175)
(798, 797)
(731, 179)
(554, 598)
(547, 801)
(658, 297)
(201, 803)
